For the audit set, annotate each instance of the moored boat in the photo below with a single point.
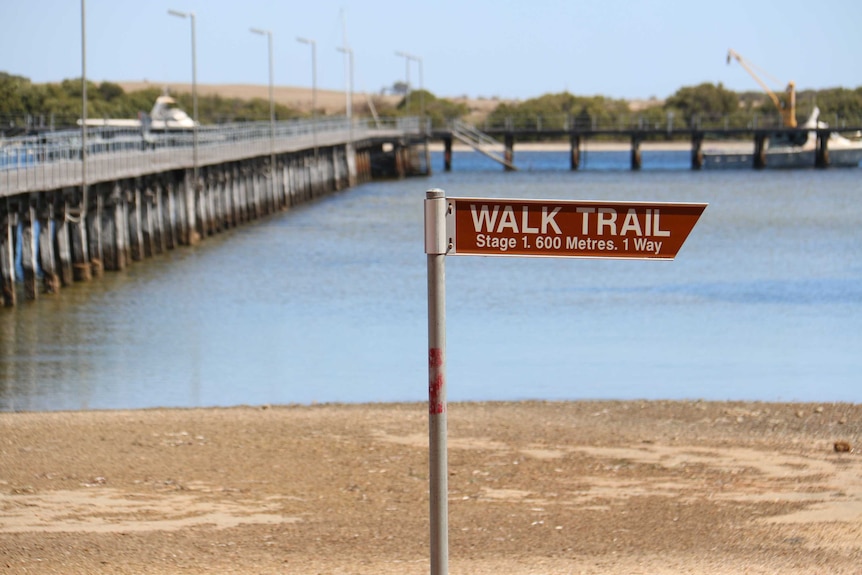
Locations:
(792, 150)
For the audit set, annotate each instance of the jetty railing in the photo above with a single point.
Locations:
(53, 160)
(668, 122)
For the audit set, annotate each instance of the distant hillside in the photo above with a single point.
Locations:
(330, 101)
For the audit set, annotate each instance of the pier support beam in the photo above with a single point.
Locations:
(821, 156)
(426, 151)
(636, 152)
(159, 216)
(94, 231)
(148, 222)
(27, 212)
(575, 153)
(8, 232)
(114, 231)
(78, 241)
(509, 152)
(759, 151)
(56, 236)
(447, 154)
(136, 236)
(400, 161)
(170, 204)
(64, 244)
(696, 151)
(47, 257)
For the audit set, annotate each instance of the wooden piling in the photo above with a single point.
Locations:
(636, 160)
(148, 227)
(27, 214)
(188, 191)
(63, 239)
(136, 231)
(94, 231)
(82, 270)
(447, 154)
(574, 152)
(696, 151)
(350, 165)
(171, 219)
(8, 233)
(114, 230)
(509, 151)
(158, 217)
(759, 151)
(821, 156)
(400, 169)
(47, 254)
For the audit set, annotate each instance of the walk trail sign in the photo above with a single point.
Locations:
(575, 229)
(531, 228)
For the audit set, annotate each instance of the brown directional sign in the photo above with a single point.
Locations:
(571, 229)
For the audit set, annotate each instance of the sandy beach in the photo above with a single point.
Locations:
(571, 487)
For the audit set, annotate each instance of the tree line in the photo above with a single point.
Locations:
(61, 102)
(688, 106)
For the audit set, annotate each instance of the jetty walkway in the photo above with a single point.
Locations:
(66, 215)
(498, 141)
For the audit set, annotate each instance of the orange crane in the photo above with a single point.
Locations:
(787, 109)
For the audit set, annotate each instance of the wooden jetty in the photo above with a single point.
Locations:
(503, 139)
(64, 219)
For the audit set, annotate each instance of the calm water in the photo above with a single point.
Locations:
(328, 302)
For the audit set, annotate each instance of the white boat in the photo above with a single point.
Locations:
(798, 150)
(166, 115)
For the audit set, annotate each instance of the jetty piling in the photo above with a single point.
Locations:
(577, 131)
(50, 238)
(636, 158)
(575, 152)
(696, 150)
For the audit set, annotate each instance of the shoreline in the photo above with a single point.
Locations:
(617, 487)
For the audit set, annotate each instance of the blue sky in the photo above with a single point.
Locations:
(480, 48)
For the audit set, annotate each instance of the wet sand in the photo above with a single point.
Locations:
(570, 487)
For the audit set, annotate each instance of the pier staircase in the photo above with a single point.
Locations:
(481, 142)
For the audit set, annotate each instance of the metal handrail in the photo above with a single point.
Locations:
(668, 121)
(52, 160)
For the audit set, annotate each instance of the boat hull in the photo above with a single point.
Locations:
(783, 159)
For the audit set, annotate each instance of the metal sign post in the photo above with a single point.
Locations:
(531, 228)
(436, 244)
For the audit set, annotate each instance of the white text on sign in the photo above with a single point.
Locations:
(570, 228)
(491, 222)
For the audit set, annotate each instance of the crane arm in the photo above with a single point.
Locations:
(788, 112)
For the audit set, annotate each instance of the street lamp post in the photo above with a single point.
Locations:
(407, 79)
(313, 45)
(191, 16)
(421, 94)
(268, 34)
(84, 113)
(407, 57)
(80, 243)
(349, 89)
